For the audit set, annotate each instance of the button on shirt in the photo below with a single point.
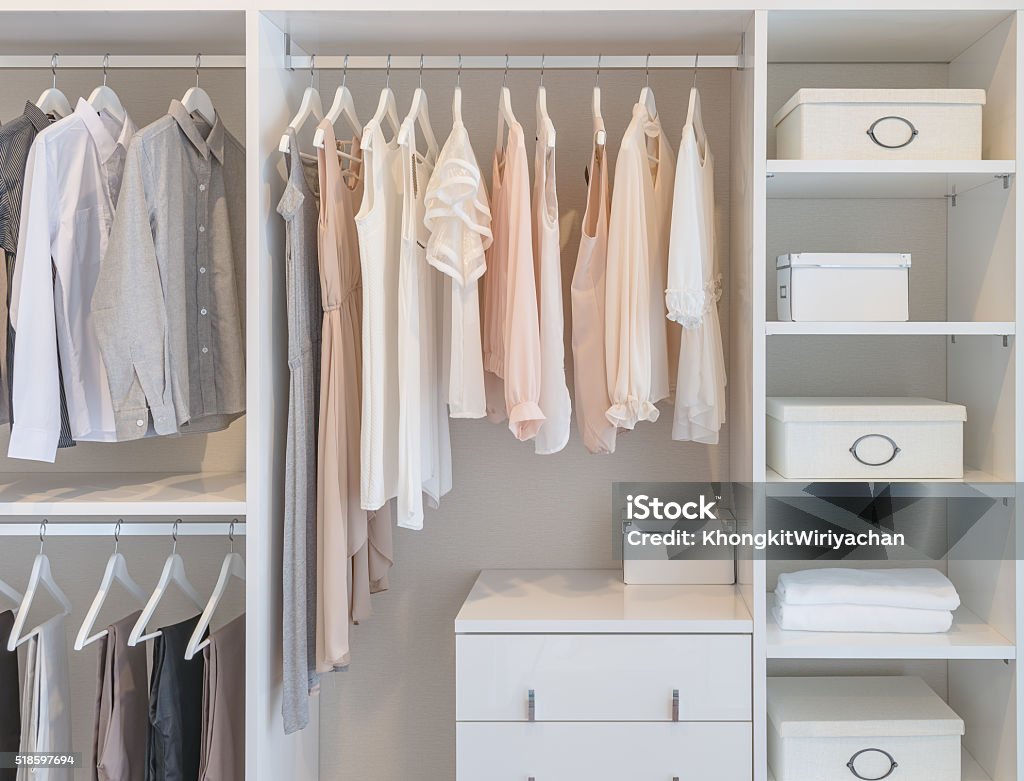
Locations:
(168, 303)
(71, 182)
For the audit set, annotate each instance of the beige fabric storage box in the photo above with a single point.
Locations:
(816, 287)
(880, 124)
(836, 438)
(840, 729)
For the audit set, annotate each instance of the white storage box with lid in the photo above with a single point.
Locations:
(836, 438)
(837, 286)
(839, 729)
(880, 124)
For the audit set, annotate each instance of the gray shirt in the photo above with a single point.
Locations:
(169, 301)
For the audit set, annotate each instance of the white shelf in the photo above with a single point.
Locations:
(974, 481)
(596, 601)
(881, 178)
(778, 328)
(968, 638)
(122, 493)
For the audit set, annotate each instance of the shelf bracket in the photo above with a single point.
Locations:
(952, 197)
(952, 338)
(1006, 340)
(742, 65)
(288, 51)
(1006, 180)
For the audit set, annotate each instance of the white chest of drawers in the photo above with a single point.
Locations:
(564, 675)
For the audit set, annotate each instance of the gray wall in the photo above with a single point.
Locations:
(391, 717)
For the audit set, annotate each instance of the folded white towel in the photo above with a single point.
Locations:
(861, 618)
(926, 589)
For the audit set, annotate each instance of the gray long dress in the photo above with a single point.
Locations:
(300, 209)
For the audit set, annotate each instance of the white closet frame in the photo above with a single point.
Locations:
(271, 90)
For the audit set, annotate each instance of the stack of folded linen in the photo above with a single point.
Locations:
(865, 600)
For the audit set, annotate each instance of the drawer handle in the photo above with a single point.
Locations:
(782, 291)
(910, 126)
(892, 764)
(890, 440)
(675, 705)
(531, 705)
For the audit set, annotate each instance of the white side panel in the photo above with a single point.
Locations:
(270, 755)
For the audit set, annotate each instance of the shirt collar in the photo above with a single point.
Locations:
(106, 144)
(214, 141)
(36, 116)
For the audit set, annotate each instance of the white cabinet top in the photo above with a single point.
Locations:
(567, 601)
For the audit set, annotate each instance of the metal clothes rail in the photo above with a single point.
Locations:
(106, 529)
(514, 62)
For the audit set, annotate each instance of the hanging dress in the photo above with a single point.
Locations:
(379, 226)
(424, 450)
(511, 328)
(300, 208)
(694, 289)
(459, 220)
(547, 252)
(355, 546)
(588, 304)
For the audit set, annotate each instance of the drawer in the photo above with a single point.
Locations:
(693, 751)
(602, 677)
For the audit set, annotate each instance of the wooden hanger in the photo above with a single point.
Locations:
(52, 101)
(173, 572)
(42, 575)
(103, 98)
(309, 106)
(197, 101)
(343, 107)
(116, 571)
(419, 115)
(232, 567)
(543, 118)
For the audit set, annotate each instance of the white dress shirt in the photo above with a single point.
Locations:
(72, 179)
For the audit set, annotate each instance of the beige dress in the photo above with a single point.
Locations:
(589, 377)
(353, 544)
(511, 335)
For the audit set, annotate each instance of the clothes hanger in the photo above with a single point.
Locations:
(173, 572)
(52, 101)
(693, 113)
(343, 107)
(600, 136)
(542, 108)
(233, 566)
(42, 575)
(310, 106)
(647, 94)
(116, 570)
(11, 593)
(457, 96)
(103, 98)
(505, 115)
(197, 101)
(387, 107)
(419, 115)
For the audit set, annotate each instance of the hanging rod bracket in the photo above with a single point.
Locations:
(1006, 180)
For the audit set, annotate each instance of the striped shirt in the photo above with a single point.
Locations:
(16, 139)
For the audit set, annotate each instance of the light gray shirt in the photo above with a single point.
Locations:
(169, 301)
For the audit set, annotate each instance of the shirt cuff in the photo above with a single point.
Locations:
(525, 420)
(134, 423)
(630, 412)
(35, 444)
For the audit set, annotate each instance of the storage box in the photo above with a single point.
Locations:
(837, 286)
(865, 438)
(880, 124)
(840, 729)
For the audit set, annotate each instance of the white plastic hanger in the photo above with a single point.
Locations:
(647, 94)
(233, 566)
(103, 98)
(311, 106)
(52, 101)
(173, 572)
(600, 136)
(419, 115)
(387, 107)
(505, 115)
(543, 118)
(11, 593)
(197, 101)
(117, 570)
(41, 575)
(693, 113)
(457, 96)
(343, 107)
